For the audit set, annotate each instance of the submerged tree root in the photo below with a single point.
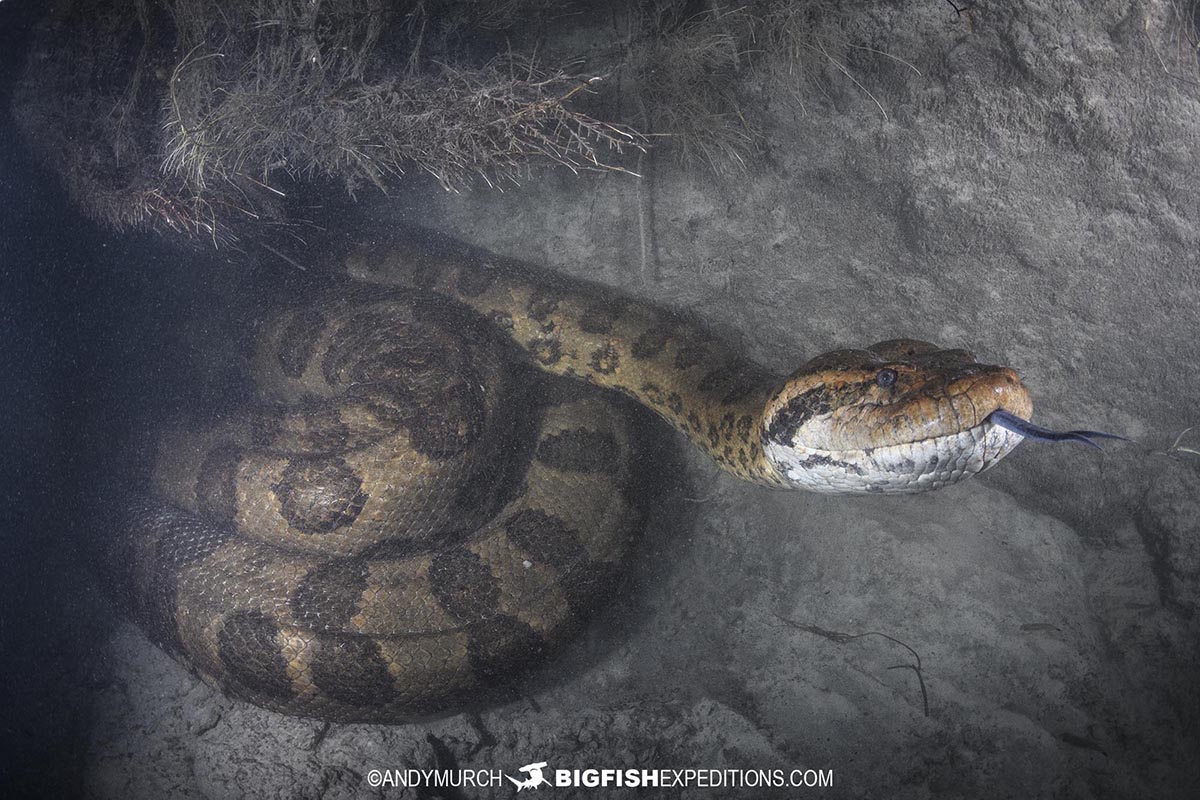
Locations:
(207, 119)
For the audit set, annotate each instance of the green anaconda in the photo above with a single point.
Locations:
(427, 498)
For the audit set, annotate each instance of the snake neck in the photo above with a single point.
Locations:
(698, 384)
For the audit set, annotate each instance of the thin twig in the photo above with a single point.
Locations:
(842, 638)
(291, 261)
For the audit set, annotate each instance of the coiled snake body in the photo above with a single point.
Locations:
(411, 518)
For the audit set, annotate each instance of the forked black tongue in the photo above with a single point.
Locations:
(1023, 427)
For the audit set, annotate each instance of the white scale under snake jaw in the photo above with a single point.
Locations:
(893, 469)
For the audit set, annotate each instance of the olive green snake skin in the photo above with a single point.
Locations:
(437, 481)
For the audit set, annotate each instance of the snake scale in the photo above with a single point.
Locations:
(427, 497)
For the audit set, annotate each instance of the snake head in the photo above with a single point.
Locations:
(901, 416)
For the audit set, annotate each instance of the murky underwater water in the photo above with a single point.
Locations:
(1031, 630)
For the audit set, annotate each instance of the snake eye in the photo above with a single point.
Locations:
(886, 378)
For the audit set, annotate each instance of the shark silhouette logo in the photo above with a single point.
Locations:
(535, 779)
